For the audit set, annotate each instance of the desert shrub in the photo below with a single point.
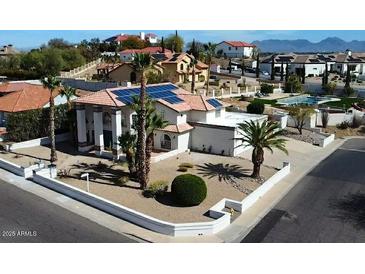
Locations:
(201, 78)
(187, 165)
(154, 77)
(182, 169)
(356, 121)
(343, 125)
(293, 85)
(266, 88)
(329, 88)
(256, 108)
(348, 91)
(157, 188)
(324, 118)
(122, 181)
(189, 190)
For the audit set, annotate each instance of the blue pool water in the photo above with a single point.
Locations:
(304, 100)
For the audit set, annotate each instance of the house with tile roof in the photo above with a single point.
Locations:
(8, 50)
(23, 96)
(149, 37)
(194, 121)
(234, 49)
(176, 68)
(127, 54)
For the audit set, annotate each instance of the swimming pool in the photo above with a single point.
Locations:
(305, 100)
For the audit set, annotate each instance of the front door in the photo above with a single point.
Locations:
(108, 139)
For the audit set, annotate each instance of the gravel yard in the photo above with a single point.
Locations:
(307, 136)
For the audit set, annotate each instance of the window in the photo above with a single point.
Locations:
(217, 113)
(229, 48)
(236, 48)
(134, 120)
(162, 112)
(182, 67)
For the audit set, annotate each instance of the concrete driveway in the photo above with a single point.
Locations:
(327, 205)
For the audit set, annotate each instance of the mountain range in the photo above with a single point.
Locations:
(331, 44)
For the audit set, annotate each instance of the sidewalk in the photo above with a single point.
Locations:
(302, 156)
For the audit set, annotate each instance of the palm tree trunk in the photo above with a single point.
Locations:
(193, 81)
(141, 136)
(209, 64)
(52, 130)
(131, 164)
(257, 160)
(71, 121)
(149, 147)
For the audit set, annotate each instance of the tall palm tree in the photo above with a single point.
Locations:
(154, 121)
(260, 136)
(141, 63)
(127, 141)
(209, 50)
(69, 93)
(256, 55)
(192, 66)
(52, 83)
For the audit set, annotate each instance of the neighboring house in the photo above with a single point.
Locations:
(8, 50)
(195, 122)
(149, 37)
(176, 68)
(103, 69)
(234, 49)
(315, 64)
(24, 96)
(127, 55)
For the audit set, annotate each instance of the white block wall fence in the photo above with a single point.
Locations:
(39, 142)
(25, 172)
(222, 219)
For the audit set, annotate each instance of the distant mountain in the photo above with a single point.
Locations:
(331, 44)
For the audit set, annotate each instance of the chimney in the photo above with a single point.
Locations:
(348, 52)
(142, 35)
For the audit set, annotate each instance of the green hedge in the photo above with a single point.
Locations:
(31, 124)
(256, 108)
(266, 88)
(189, 190)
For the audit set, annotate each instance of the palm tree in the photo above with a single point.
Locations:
(192, 66)
(154, 121)
(243, 65)
(260, 136)
(127, 141)
(69, 93)
(141, 63)
(52, 83)
(209, 50)
(256, 55)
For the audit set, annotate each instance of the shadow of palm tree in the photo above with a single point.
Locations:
(350, 209)
(101, 172)
(225, 172)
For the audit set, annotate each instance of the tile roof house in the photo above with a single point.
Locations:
(176, 67)
(127, 54)
(8, 50)
(235, 49)
(150, 37)
(194, 121)
(20, 97)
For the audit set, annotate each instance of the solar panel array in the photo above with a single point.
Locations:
(214, 102)
(164, 92)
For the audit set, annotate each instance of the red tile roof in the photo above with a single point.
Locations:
(28, 98)
(239, 44)
(102, 98)
(11, 87)
(180, 128)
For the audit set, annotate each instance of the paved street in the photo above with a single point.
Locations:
(25, 217)
(327, 205)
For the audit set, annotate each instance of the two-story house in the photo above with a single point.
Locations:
(195, 122)
(234, 49)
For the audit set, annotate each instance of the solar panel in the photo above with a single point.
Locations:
(155, 92)
(214, 102)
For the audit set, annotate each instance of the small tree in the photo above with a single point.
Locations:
(261, 136)
(299, 116)
(69, 93)
(293, 85)
(329, 88)
(127, 141)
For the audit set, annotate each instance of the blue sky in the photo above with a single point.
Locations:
(34, 38)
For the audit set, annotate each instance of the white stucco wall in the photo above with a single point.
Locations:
(231, 51)
(169, 115)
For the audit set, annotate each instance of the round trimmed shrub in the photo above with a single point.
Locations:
(256, 108)
(188, 190)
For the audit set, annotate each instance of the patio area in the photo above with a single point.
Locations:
(226, 177)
